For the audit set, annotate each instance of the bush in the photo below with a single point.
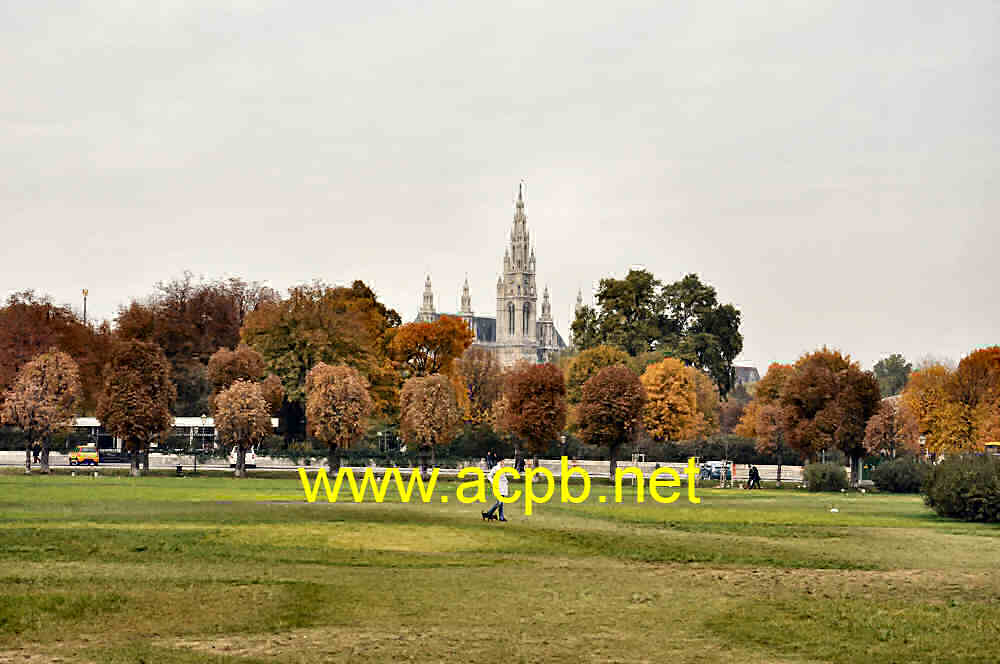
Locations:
(825, 477)
(965, 487)
(900, 475)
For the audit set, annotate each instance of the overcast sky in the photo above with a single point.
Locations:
(830, 167)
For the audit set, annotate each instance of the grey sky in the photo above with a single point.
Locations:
(831, 167)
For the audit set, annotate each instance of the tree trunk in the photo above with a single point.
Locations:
(241, 461)
(778, 483)
(44, 457)
(613, 454)
(333, 460)
(855, 467)
(433, 457)
(134, 470)
(423, 461)
(145, 460)
(27, 458)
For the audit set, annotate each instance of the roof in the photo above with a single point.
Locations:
(178, 422)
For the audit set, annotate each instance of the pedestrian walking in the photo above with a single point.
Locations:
(503, 488)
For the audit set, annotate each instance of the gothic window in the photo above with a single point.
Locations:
(527, 317)
(510, 318)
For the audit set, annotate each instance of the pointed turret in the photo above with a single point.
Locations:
(546, 307)
(466, 309)
(579, 301)
(427, 313)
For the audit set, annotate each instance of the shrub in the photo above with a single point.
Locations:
(965, 487)
(900, 475)
(825, 477)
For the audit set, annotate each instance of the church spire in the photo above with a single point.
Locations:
(427, 313)
(546, 307)
(579, 301)
(466, 309)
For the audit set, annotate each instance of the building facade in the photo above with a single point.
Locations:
(521, 331)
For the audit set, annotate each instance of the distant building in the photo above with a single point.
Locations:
(518, 332)
(746, 375)
(199, 432)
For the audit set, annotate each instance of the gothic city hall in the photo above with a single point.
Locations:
(520, 332)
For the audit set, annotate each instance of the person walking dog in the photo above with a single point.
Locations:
(504, 490)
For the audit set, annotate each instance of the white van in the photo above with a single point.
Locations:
(251, 460)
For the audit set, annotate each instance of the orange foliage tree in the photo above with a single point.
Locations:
(429, 414)
(137, 398)
(43, 400)
(956, 411)
(611, 409)
(534, 398)
(242, 419)
(430, 348)
(337, 402)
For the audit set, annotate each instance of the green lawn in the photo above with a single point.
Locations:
(163, 569)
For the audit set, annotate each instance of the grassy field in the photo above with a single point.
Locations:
(206, 569)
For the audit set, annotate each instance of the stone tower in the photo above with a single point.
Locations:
(427, 313)
(517, 299)
(465, 313)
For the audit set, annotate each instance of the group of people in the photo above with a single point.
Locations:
(754, 478)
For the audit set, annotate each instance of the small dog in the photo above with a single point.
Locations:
(489, 517)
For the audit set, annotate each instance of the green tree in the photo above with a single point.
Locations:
(892, 373)
(652, 321)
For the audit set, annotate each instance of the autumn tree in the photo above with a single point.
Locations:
(671, 411)
(611, 410)
(535, 405)
(587, 364)
(827, 402)
(922, 403)
(190, 319)
(706, 400)
(242, 419)
(885, 432)
(483, 380)
(273, 392)
(321, 323)
(430, 348)
(31, 324)
(892, 373)
(337, 403)
(138, 393)
(763, 418)
(43, 400)
(429, 414)
(226, 366)
(956, 411)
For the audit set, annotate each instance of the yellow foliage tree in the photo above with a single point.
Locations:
(671, 411)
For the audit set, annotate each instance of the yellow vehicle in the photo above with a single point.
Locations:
(84, 455)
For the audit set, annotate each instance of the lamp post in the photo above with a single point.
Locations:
(85, 293)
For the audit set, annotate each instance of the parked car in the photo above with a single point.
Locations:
(250, 461)
(84, 455)
(712, 470)
(114, 456)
